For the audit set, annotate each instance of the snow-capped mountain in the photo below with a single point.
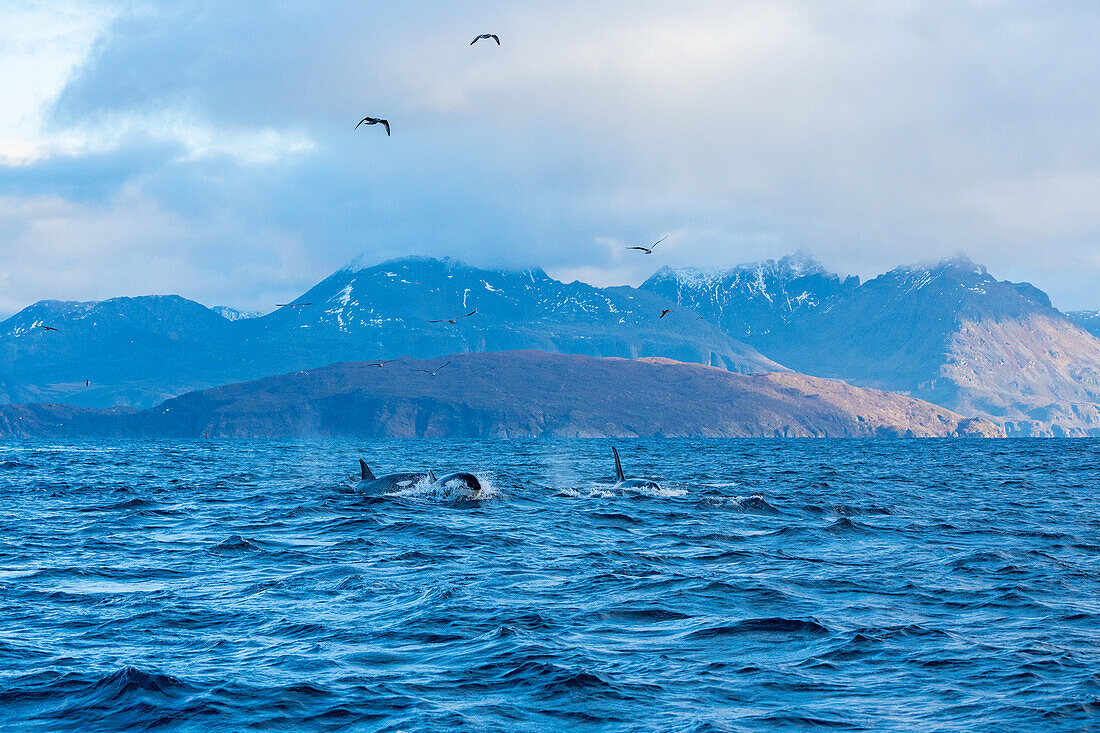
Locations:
(947, 332)
(751, 300)
(138, 351)
(402, 308)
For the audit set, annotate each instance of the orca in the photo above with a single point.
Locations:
(465, 480)
(622, 482)
(371, 484)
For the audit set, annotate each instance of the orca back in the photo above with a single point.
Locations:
(622, 482)
(468, 480)
(364, 471)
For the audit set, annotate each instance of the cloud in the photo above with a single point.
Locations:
(867, 134)
(129, 245)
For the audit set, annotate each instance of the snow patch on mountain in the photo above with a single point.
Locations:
(232, 314)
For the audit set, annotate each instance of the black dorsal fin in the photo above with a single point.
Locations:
(431, 476)
(364, 471)
(618, 466)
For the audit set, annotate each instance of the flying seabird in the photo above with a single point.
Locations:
(380, 364)
(292, 305)
(452, 321)
(375, 121)
(87, 383)
(649, 250)
(428, 371)
(486, 35)
(665, 313)
(46, 328)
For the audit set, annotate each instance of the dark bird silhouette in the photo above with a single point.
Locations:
(380, 364)
(665, 313)
(87, 383)
(649, 250)
(292, 305)
(47, 328)
(484, 36)
(454, 320)
(375, 121)
(429, 371)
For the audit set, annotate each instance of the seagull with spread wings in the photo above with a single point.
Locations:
(292, 306)
(375, 121)
(46, 328)
(454, 320)
(429, 371)
(380, 364)
(486, 36)
(664, 313)
(649, 250)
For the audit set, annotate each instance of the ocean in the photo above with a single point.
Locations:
(771, 584)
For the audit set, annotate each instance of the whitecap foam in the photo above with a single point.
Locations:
(427, 490)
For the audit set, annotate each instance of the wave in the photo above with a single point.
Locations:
(775, 625)
(128, 698)
(235, 543)
(755, 504)
(264, 598)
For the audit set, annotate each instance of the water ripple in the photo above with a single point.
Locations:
(850, 585)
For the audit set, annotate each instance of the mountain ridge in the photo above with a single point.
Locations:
(138, 351)
(510, 395)
(948, 332)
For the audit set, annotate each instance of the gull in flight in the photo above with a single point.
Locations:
(380, 364)
(292, 305)
(375, 121)
(649, 250)
(428, 371)
(484, 36)
(454, 320)
(46, 328)
(664, 313)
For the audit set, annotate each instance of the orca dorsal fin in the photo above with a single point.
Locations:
(618, 466)
(431, 476)
(364, 471)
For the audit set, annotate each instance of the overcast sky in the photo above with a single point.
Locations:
(208, 149)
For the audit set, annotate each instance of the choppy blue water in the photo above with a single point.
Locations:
(850, 584)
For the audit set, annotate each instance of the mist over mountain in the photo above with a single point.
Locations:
(140, 351)
(510, 395)
(946, 332)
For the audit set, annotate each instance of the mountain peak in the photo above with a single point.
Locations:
(960, 264)
(361, 263)
(433, 264)
(800, 264)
